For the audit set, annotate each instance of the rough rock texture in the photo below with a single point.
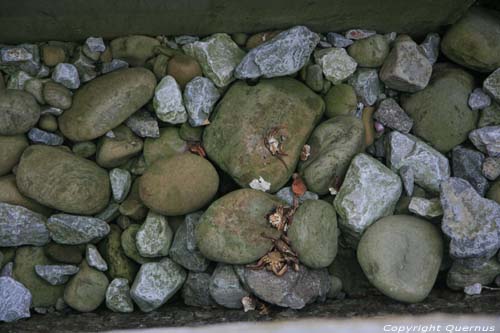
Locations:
(286, 194)
(168, 103)
(195, 290)
(184, 250)
(20, 226)
(390, 114)
(67, 75)
(18, 112)
(118, 296)
(487, 140)
(115, 151)
(337, 65)
(371, 51)
(121, 181)
(367, 85)
(460, 276)
(39, 136)
(129, 246)
(94, 258)
(225, 287)
(154, 237)
(467, 164)
(9, 193)
(427, 208)
(11, 149)
(73, 229)
(492, 85)
(478, 99)
(167, 145)
(143, 124)
(56, 274)
(135, 49)
(200, 96)
(16, 300)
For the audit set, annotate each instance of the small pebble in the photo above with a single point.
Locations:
(121, 181)
(143, 124)
(38, 136)
(337, 40)
(51, 110)
(95, 44)
(15, 54)
(94, 258)
(491, 168)
(185, 39)
(479, 100)
(67, 75)
(474, 289)
(114, 65)
(357, 34)
(56, 274)
(430, 47)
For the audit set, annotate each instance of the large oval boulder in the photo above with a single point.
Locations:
(178, 185)
(106, 102)
(235, 139)
(61, 180)
(18, 112)
(230, 230)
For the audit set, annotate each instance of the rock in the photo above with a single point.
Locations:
(230, 229)
(208, 53)
(95, 44)
(21, 226)
(119, 265)
(113, 65)
(118, 296)
(156, 283)
(128, 243)
(200, 96)
(53, 55)
(487, 140)
(337, 65)
(84, 60)
(94, 258)
(472, 223)
(474, 41)
(50, 139)
(292, 290)
(48, 123)
(134, 49)
(143, 124)
(225, 287)
(110, 213)
(9, 194)
(68, 254)
(271, 103)
(50, 110)
(73, 229)
(57, 95)
(154, 237)
(366, 84)
(314, 77)
(338, 40)
(43, 294)
(440, 112)
(478, 99)
(87, 289)
(467, 164)
(67, 75)
(121, 181)
(18, 112)
(113, 152)
(184, 250)
(489, 116)
(401, 256)
(168, 102)
(358, 202)
(183, 69)
(313, 233)
(460, 276)
(18, 80)
(35, 88)
(286, 194)
(492, 85)
(390, 114)
(260, 38)
(283, 55)
(167, 145)
(11, 149)
(179, 185)
(429, 167)
(494, 192)
(133, 207)
(491, 167)
(430, 47)
(370, 51)
(16, 300)
(195, 290)
(358, 34)
(333, 143)
(427, 208)
(56, 274)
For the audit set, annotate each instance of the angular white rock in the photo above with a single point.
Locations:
(168, 103)
(200, 96)
(337, 65)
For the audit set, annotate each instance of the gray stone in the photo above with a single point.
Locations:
(56, 274)
(390, 114)
(156, 283)
(357, 34)
(337, 65)
(467, 164)
(168, 103)
(16, 300)
(154, 237)
(284, 54)
(15, 54)
(429, 166)
(427, 208)
(478, 100)
(338, 40)
(44, 72)
(18, 80)
(192, 220)
(118, 296)
(121, 181)
(487, 140)
(85, 66)
(472, 223)
(67, 75)
(195, 291)
(186, 39)
(52, 111)
(143, 124)
(286, 194)
(489, 116)
(20, 226)
(370, 191)
(200, 96)
(95, 44)
(184, 251)
(39, 136)
(335, 287)
(460, 276)
(491, 167)
(74, 229)
(492, 85)
(94, 258)
(35, 88)
(31, 65)
(430, 47)
(111, 212)
(366, 84)
(113, 65)
(225, 287)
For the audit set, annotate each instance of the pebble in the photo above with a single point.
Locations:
(154, 237)
(121, 181)
(73, 229)
(111, 212)
(16, 300)
(489, 116)
(119, 265)
(225, 287)
(21, 226)
(53, 55)
(39, 136)
(134, 49)
(341, 100)
(18, 80)
(19, 112)
(84, 149)
(118, 296)
(492, 85)
(94, 258)
(15, 54)
(85, 66)
(95, 44)
(474, 289)
(48, 123)
(338, 40)
(7, 269)
(67, 75)
(35, 87)
(286, 194)
(314, 77)
(491, 167)
(460, 276)
(430, 47)
(487, 140)
(143, 124)
(467, 164)
(200, 96)
(186, 39)
(113, 152)
(358, 34)
(390, 114)
(427, 208)
(370, 52)
(113, 65)
(367, 85)
(195, 291)
(183, 68)
(337, 65)
(478, 99)
(56, 274)
(168, 103)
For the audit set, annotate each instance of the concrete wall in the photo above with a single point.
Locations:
(36, 20)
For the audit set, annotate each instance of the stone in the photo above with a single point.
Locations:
(337, 65)
(183, 68)
(218, 57)
(467, 164)
(472, 223)
(191, 220)
(19, 112)
(21, 226)
(53, 55)
(9, 194)
(478, 99)
(113, 65)
(121, 181)
(230, 229)
(57, 95)
(440, 113)
(94, 110)
(50, 110)
(16, 300)
(87, 289)
(489, 116)
(48, 123)
(179, 185)
(56, 274)
(367, 85)
(358, 34)
(492, 85)
(118, 296)
(200, 96)
(135, 49)
(260, 38)
(119, 265)
(94, 258)
(154, 237)
(494, 192)
(487, 140)
(35, 88)
(460, 276)
(110, 213)
(156, 283)
(430, 47)
(133, 207)
(167, 145)
(67, 75)
(401, 256)
(73, 229)
(313, 234)
(286, 194)
(168, 103)
(84, 60)
(67, 254)
(143, 124)
(474, 41)
(225, 287)
(360, 202)
(195, 291)
(491, 167)
(427, 208)
(390, 114)
(271, 103)
(43, 137)
(129, 247)
(429, 167)
(370, 52)
(15, 54)
(11, 149)
(84, 149)
(334, 144)
(184, 250)
(95, 44)
(473, 290)
(284, 54)
(338, 40)
(18, 80)
(113, 152)
(406, 68)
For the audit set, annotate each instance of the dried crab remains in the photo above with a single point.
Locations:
(274, 142)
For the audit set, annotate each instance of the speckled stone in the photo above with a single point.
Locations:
(73, 229)
(118, 296)
(16, 300)
(200, 96)
(21, 226)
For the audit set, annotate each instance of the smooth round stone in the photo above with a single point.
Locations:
(401, 256)
(179, 185)
(340, 100)
(61, 180)
(183, 68)
(230, 229)
(113, 152)
(195, 290)
(134, 49)
(53, 55)
(84, 149)
(190, 133)
(106, 102)
(11, 149)
(313, 233)
(9, 193)
(48, 123)
(19, 112)
(167, 145)
(57, 95)
(370, 52)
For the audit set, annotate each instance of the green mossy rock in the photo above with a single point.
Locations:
(19, 112)
(167, 145)
(134, 49)
(9, 193)
(113, 152)
(371, 51)
(129, 247)
(11, 149)
(341, 100)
